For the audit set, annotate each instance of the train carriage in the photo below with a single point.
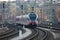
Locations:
(30, 20)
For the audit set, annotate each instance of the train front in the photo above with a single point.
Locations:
(33, 20)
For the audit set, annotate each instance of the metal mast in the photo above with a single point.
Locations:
(33, 6)
(51, 13)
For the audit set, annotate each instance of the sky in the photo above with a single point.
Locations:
(24, 0)
(7, 0)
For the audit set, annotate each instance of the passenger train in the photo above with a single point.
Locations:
(30, 20)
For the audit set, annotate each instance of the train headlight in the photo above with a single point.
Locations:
(28, 22)
(36, 22)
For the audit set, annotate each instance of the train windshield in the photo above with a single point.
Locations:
(32, 16)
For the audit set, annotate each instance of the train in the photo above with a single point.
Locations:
(30, 20)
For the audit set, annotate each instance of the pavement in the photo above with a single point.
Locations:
(57, 33)
(21, 36)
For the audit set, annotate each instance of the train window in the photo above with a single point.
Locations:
(17, 19)
(32, 16)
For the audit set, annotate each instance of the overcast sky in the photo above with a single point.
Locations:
(7, 0)
(22, 0)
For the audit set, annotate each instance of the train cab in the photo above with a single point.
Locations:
(33, 19)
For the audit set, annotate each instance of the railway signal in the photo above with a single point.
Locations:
(32, 8)
(21, 7)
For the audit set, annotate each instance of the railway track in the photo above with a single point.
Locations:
(49, 36)
(34, 32)
(9, 34)
(37, 34)
(40, 35)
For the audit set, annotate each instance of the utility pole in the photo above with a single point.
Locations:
(51, 11)
(33, 6)
(51, 14)
(3, 11)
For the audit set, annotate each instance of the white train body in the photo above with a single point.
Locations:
(29, 20)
